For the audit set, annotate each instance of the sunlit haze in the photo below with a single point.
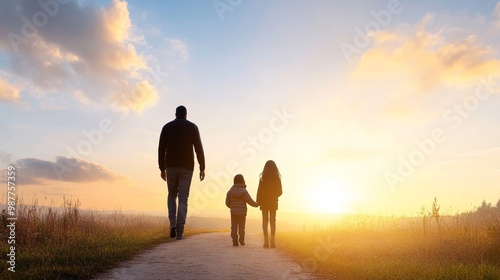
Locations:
(372, 107)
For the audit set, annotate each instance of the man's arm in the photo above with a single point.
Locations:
(162, 148)
(200, 155)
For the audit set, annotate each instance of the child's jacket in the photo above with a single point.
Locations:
(237, 198)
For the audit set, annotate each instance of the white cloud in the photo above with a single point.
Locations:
(496, 13)
(82, 97)
(73, 47)
(427, 60)
(496, 10)
(409, 64)
(8, 92)
(179, 47)
(136, 96)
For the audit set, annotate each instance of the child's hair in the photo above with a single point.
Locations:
(270, 171)
(238, 179)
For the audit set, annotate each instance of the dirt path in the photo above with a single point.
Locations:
(209, 256)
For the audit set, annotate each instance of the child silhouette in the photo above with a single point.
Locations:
(236, 199)
(267, 196)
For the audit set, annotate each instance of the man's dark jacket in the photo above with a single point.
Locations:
(177, 139)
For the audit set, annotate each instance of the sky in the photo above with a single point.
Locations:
(372, 107)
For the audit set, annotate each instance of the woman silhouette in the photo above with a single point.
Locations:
(267, 196)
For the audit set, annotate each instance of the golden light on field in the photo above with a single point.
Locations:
(330, 195)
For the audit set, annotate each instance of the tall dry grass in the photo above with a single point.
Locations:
(463, 246)
(69, 243)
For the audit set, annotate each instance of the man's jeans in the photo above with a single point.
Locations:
(178, 183)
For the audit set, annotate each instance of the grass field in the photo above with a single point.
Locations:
(69, 243)
(465, 246)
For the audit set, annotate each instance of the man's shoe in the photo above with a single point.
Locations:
(173, 232)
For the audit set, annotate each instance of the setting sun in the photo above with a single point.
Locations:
(330, 196)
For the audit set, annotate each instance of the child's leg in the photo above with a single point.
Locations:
(234, 228)
(242, 229)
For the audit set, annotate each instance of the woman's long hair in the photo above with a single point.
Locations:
(270, 171)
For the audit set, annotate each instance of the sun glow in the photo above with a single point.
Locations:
(330, 196)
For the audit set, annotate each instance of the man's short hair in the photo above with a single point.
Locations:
(181, 111)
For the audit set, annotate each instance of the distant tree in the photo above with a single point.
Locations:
(485, 208)
(485, 205)
(498, 205)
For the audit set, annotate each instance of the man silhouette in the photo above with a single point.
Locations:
(176, 162)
